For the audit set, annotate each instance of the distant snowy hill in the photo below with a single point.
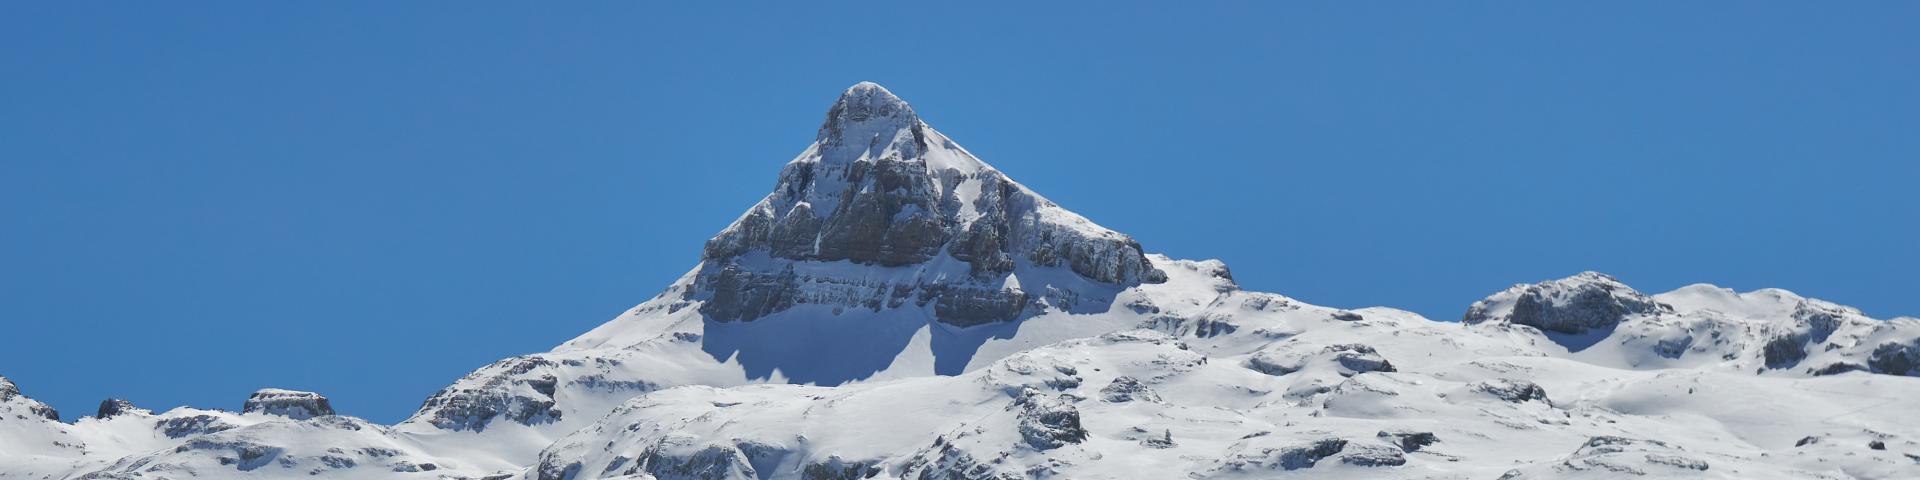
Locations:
(896, 308)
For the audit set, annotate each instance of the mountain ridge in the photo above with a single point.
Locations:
(897, 308)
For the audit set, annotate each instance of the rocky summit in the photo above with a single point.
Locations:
(288, 403)
(881, 192)
(897, 309)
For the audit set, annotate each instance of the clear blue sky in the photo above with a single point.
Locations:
(371, 199)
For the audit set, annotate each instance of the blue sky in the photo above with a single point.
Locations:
(371, 199)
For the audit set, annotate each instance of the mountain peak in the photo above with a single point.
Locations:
(867, 111)
(870, 94)
(883, 189)
(868, 88)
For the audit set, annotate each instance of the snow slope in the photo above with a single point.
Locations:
(897, 308)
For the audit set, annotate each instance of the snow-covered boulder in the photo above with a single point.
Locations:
(1576, 304)
(1128, 389)
(1511, 390)
(1048, 421)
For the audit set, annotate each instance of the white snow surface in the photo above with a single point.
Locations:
(1192, 377)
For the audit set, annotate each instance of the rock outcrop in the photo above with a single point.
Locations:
(114, 407)
(1047, 422)
(1896, 359)
(1511, 390)
(509, 389)
(292, 404)
(1577, 304)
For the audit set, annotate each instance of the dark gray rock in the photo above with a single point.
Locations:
(1355, 359)
(1307, 454)
(966, 307)
(834, 468)
(241, 454)
(709, 462)
(1673, 347)
(1896, 359)
(1820, 321)
(1409, 440)
(406, 467)
(1511, 390)
(740, 294)
(1837, 368)
(187, 426)
(499, 394)
(1784, 351)
(1127, 389)
(550, 468)
(1272, 365)
(113, 407)
(946, 461)
(1163, 440)
(1047, 422)
(1609, 444)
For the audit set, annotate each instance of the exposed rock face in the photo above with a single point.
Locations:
(1588, 301)
(504, 390)
(1784, 351)
(946, 461)
(292, 404)
(837, 469)
(1306, 455)
(1511, 390)
(880, 188)
(1409, 440)
(113, 407)
(1127, 389)
(1837, 368)
(1047, 422)
(1813, 324)
(676, 457)
(1896, 359)
(1265, 453)
(1355, 359)
(241, 454)
(187, 426)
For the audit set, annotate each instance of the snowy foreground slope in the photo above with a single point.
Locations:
(897, 308)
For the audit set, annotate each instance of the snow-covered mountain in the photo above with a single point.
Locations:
(896, 308)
